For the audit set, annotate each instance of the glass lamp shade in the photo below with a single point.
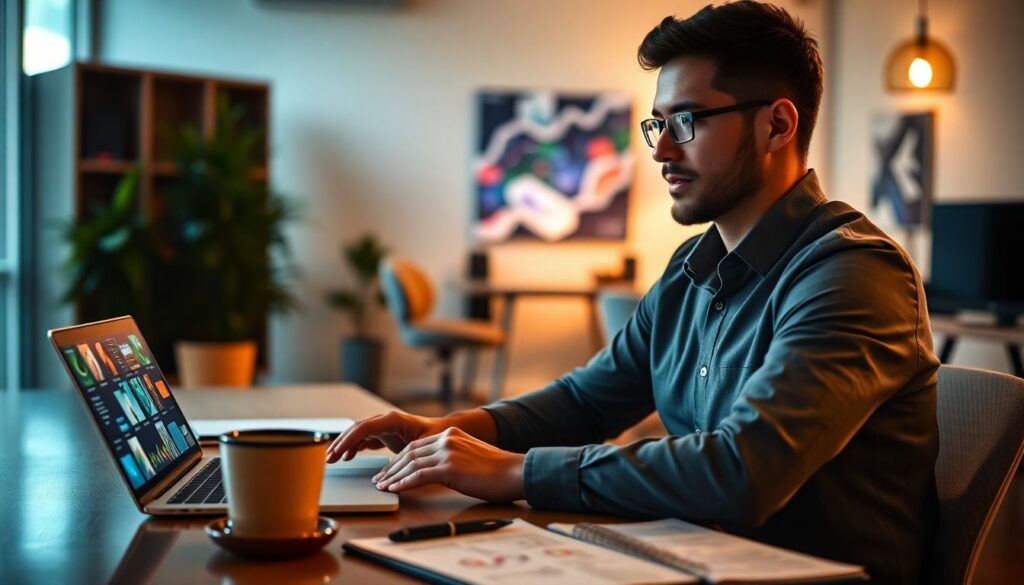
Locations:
(920, 63)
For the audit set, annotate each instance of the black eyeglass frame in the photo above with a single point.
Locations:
(662, 124)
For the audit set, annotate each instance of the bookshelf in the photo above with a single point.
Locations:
(92, 124)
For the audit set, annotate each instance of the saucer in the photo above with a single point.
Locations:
(272, 547)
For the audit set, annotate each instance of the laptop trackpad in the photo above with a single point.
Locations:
(347, 488)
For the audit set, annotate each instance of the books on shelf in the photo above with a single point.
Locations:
(663, 551)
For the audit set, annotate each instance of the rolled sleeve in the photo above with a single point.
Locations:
(551, 478)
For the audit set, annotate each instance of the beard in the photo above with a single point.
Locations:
(721, 191)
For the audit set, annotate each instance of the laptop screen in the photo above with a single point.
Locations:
(129, 398)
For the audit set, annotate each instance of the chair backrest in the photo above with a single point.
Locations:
(407, 290)
(981, 435)
(615, 307)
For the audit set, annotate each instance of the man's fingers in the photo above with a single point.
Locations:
(351, 435)
(439, 440)
(356, 433)
(333, 447)
(349, 454)
(366, 443)
(412, 465)
(416, 450)
(400, 458)
(423, 476)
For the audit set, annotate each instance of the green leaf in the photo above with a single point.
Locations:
(125, 193)
(364, 255)
(115, 240)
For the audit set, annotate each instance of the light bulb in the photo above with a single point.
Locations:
(920, 72)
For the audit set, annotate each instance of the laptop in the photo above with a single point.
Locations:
(150, 440)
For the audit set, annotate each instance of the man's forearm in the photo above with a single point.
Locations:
(477, 422)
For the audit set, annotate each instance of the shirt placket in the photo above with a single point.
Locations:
(713, 316)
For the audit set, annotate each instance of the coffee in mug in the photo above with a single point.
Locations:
(272, 479)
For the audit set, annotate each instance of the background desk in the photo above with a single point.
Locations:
(67, 517)
(509, 295)
(953, 328)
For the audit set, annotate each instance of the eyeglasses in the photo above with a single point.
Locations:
(680, 124)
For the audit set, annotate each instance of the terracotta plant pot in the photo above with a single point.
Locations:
(204, 364)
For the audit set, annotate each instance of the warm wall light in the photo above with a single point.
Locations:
(921, 62)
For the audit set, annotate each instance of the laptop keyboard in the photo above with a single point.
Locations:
(205, 487)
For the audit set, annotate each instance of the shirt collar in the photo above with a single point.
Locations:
(771, 236)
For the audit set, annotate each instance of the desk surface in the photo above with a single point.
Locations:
(949, 325)
(67, 517)
(482, 288)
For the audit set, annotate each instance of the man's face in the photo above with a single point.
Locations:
(720, 167)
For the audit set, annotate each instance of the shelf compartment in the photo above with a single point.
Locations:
(108, 166)
(164, 168)
(177, 103)
(109, 113)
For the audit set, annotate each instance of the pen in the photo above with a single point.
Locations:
(446, 529)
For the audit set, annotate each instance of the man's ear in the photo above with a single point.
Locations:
(783, 123)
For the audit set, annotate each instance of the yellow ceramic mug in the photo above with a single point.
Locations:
(272, 479)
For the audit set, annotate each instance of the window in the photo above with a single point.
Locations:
(48, 34)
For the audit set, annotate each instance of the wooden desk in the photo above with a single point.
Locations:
(68, 518)
(952, 328)
(508, 295)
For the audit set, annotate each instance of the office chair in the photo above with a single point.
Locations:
(410, 298)
(615, 308)
(981, 436)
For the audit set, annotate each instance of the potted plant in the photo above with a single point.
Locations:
(112, 259)
(221, 238)
(361, 353)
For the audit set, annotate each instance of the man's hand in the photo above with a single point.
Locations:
(458, 460)
(393, 430)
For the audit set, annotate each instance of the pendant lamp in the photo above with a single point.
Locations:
(920, 62)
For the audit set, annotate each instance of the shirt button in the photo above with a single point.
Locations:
(697, 431)
(703, 371)
(719, 306)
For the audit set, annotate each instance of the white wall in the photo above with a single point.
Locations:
(372, 126)
(979, 134)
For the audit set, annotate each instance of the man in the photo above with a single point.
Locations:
(787, 349)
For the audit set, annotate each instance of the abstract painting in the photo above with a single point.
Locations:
(552, 166)
(901, 191)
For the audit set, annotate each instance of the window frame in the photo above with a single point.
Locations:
(12, 97)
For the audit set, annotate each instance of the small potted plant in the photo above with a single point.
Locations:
(224, 256)
(362, 352)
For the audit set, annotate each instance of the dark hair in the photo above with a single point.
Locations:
(760, 51)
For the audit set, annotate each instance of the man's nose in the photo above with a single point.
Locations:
(666, 149)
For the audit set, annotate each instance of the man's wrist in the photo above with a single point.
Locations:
(477, 422)
(517, 476)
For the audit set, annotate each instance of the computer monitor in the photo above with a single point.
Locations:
(976, 260)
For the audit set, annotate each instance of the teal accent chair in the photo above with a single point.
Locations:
(410, 298)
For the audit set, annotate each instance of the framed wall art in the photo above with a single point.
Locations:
(552, 166)
(901, 190)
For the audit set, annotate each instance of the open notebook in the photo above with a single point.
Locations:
(712, 556)
(665, 551)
